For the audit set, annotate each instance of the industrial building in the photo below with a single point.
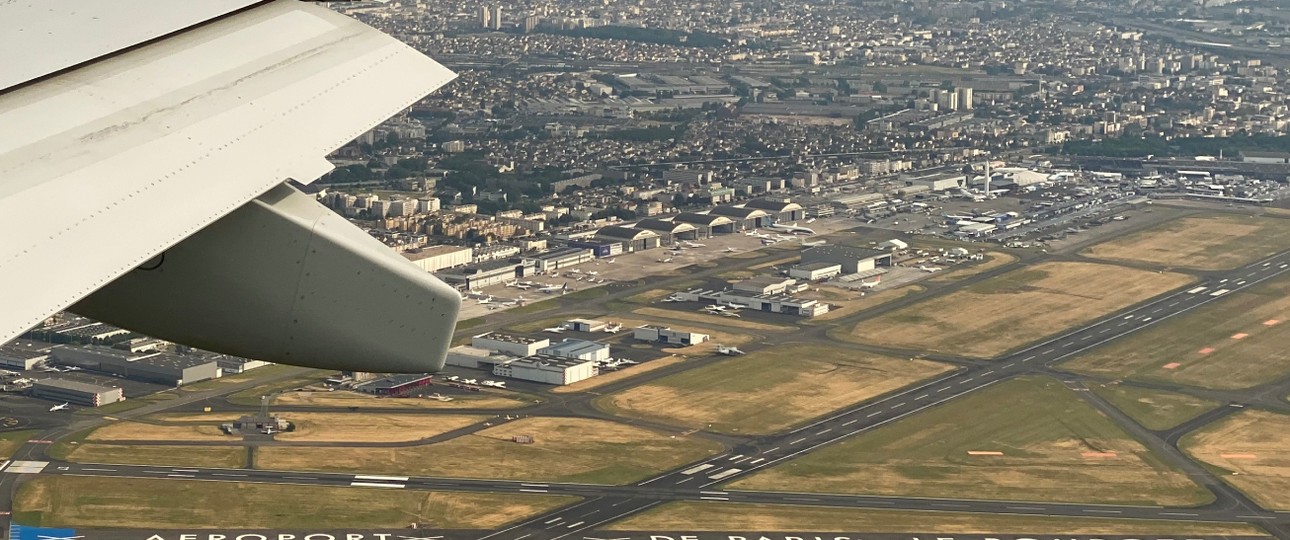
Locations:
(815, 271)
(436, 258)
(585, 325)
(742, 218)
(486, 274)
(79, 393)
(781, 210)
(853, 260)
(17, 356)
(580, 349)
(662, 334)
(670, 231)
(153, 367)
(559, 259)
(786, 305)
(234, 364)
(509, 344)
(547, 369)
(631, 238)
(768, 285)
(395, 385)
(472, 357)
(706, 225)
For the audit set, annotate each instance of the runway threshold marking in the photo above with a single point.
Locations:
(378, 485)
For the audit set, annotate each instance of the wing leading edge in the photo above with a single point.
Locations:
(109, 165)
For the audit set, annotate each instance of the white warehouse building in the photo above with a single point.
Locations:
(580, 349)
(509, 344)
(547, 369)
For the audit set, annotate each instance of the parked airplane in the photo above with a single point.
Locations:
(731, 314)
(555, 330)
(665, 260)
(523, 287)
(673, 298)
(613, 328)
(440, 397)
(729, 351)
(554, 289)
(929, 269)
(62, 407)
(810, 221)
(869, 284)
(792, 228)
(495, 384)
(470, 381)
(694, 244)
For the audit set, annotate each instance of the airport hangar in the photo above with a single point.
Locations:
(853, 260)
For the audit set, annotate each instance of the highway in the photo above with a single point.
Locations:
(702, 480)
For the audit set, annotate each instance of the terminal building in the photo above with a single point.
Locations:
(662, 334)
(152, 367)
(79, 393)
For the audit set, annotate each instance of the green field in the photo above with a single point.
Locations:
(1054, 447)
(770, 390)
(720, 516)
(156, 504)
(1209, 242)
(11, 440)
(1155, 409)
(564, 450)
(1201, 347)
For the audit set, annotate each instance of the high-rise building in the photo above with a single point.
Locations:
(497, 17)
(485, 17)
(530, 23)
(965, 99)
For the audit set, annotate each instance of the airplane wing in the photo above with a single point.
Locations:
(144, 147)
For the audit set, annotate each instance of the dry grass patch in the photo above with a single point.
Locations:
(359, 427)
(340, 398)
(993, 259)
(606, 452)
(172, 456)
(704, 318)
(770, 390)
(615, 376)
(1016, 308)
(141, 431)
(1055, 447)
(1170, 350)
(1213, 242)
(155, 504)
(1254, 448)
(850, 303)
(721, 516)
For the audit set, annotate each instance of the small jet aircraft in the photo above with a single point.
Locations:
(495, 384)
(613, 328)
(562, 289)
(554, 330)
(869, 284)
(729, 351)
(61, 407)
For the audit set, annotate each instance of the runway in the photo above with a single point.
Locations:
(701, 480)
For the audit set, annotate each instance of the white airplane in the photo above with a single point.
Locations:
(470, 381)
(495, 384)
(454, 378)
(929, 269)
(731, 250)
(614, 328)
(673, 298)
(270, 431)
(792, 228)
(626, 362)
(694, 244)
(562, 289)
(810, 221)
(177, 110)
(731, 314)
(62, 407)
(511, 283)
(486, 300)
(523, 286)
(440, 397)
(554, 330)
(665, 260)
(716, 308)
(869, 284)
(729, 351)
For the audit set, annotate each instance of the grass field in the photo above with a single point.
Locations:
(1013, 309)
(251, 396)
(11, 440)
(720, 516)
(700, 317)
(156, 504)
(1155, 409)
(1171, 351)
(993, 259)
(1212, 242)
(767, 391)
(363, 427)
(174, 456)
(340, 398)
(847, 303)
(1055, 448)
(1254, 448)
(606, 452)
(158, 429)
(615, 376)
